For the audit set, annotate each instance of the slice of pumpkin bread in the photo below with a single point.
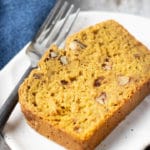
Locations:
(78, 94)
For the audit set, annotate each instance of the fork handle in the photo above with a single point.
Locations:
(11, 101)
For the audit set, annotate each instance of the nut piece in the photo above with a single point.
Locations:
(101, 98)
(73, 79)
(37, 75)
(64, 82)
(63, 60)
(107, 64)
(53, 54)
(77, 129)
(123, 80)
(46, 59)
(97, 82)
(76, 45)
(137, 56)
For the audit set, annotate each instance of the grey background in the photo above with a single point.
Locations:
(138, 7)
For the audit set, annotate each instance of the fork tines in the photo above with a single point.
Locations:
(53, 32)
(49, 19)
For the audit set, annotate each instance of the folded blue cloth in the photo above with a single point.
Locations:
(19, 21)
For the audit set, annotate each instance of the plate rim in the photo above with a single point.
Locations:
(101, 13)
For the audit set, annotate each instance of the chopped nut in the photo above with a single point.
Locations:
(37, 75)
(77, 128)
(97, 82)
(51, 50)
(76, 45)
(62, 107)
(123, 80)
(53, 54)
(107, 60)
(34, 103)
(43, 81)
(52, 94)
(80, 73)
(64, 82)
(137, 56)
(33, 93)
(107, 64)
(114, 104)
(72, 79)
(46, 59)
(101, 98)
(74, 120)
(63, 60)
(28, 87)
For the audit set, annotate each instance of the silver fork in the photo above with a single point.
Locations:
(35, 49)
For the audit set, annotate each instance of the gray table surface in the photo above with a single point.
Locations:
(138, 7)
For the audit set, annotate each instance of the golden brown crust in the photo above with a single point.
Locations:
(119, 114)
(51, 132)
(106, 127)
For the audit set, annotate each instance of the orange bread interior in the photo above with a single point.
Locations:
(78, 94)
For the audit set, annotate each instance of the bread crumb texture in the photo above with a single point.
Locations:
(76, 88)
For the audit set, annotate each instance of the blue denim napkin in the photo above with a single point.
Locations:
(19, 21)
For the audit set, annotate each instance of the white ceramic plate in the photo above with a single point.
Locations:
(132, 134)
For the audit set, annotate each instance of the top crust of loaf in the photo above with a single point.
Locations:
(76, 88)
